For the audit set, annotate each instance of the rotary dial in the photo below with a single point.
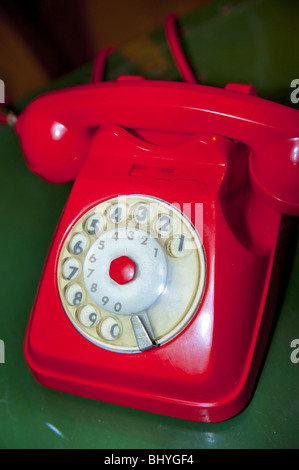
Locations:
(131, 273)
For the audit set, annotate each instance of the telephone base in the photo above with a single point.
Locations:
(204, 365)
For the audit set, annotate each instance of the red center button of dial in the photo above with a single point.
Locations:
(122, 270)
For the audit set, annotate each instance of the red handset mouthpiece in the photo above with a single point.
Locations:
(53, 150)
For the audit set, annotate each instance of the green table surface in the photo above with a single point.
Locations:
(254, 42)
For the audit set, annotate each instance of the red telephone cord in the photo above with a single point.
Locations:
(177, 52)
(99, 64)
(174, 45)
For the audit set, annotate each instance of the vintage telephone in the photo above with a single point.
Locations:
(158, 288)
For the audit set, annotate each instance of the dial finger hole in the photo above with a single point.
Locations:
(109, 329)
(74, 294)
(71, 268)
(141, 213)
(88, 316)
(94, 224)
(164, 225)
(78, 243)
(117, 213)
(179, 246)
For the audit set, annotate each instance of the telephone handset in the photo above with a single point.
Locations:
(158, 288)
(68, 120)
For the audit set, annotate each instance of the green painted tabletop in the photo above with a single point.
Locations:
(247, 41)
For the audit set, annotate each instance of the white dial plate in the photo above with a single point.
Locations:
(149, 281)
(131, 273)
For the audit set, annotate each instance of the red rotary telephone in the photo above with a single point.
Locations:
(158, 288)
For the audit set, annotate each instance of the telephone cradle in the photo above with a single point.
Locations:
(159, 288)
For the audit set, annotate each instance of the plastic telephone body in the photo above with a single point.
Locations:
(192, 150)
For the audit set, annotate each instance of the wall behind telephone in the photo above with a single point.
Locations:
(41, 40)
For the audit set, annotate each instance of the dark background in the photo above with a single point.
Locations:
(41, 40)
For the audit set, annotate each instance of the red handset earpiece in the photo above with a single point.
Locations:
(274, 172)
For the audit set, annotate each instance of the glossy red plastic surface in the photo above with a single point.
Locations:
(60, 126)
(232, 153)
(122, 270)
